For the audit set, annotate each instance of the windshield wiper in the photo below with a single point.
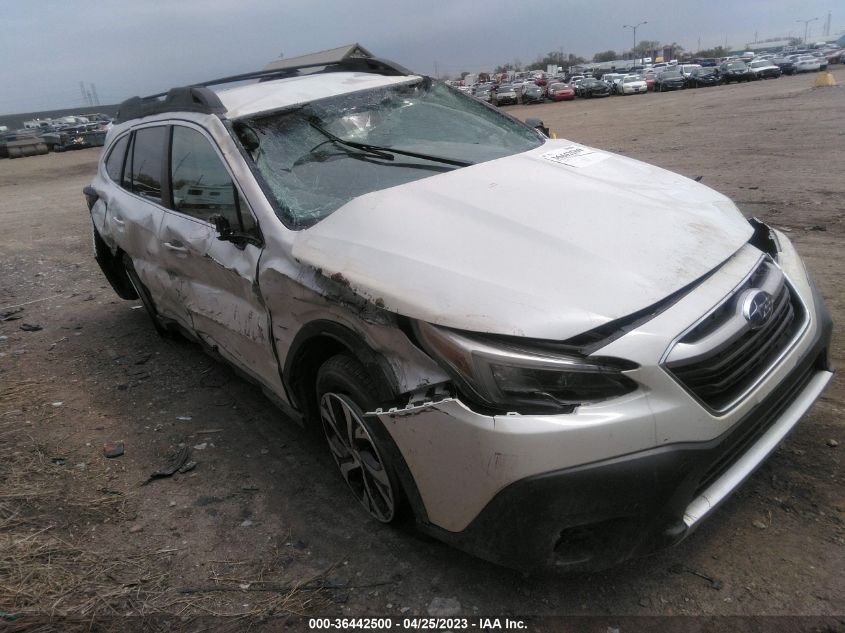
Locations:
(386, 153)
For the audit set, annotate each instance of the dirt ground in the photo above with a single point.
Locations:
(264, 526)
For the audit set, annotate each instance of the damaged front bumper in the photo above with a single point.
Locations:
(585, 491)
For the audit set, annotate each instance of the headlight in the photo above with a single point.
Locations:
(515, 377)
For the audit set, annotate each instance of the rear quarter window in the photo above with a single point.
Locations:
(114, 162)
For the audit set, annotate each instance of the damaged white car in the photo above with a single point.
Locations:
(563, 385)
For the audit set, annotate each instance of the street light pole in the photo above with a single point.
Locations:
(806, 27)
(634, 28)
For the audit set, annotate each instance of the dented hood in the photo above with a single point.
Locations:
(545, 244)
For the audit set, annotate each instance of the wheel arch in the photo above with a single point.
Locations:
(313, 345)
(112, 266)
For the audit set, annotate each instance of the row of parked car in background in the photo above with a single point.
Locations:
(537, 86)
(41, 136)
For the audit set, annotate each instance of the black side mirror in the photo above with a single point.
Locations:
(222, 226)
(537, 124)
(225, 233)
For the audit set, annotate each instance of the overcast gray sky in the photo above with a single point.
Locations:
(129, 47)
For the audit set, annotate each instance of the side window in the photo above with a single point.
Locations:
(147, 154)
(114, 163)
(200, 184)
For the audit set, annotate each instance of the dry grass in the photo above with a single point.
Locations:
(54, 570)
(44, 569)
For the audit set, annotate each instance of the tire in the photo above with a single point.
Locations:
(345, 390)
(145, 297)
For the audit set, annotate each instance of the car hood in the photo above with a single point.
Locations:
(546, 244)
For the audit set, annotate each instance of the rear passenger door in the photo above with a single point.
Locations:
(213, 281)
(135, 210)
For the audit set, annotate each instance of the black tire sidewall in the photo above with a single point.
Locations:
(345, 375)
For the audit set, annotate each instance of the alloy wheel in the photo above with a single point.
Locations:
(357, 456)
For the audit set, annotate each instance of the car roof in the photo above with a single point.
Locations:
(269, 90)
(267, 96)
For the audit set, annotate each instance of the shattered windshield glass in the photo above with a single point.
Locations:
(318, 156)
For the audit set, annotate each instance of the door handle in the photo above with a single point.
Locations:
(176, 245)
(117, 220)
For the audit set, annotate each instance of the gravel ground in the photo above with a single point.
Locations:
(264, 505)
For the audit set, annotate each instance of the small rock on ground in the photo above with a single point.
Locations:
(444, 607)
(113, 449)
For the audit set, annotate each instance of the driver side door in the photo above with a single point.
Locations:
(212, 281)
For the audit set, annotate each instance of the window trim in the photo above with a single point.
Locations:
(166, 205)
(127, 165)
(130, 162)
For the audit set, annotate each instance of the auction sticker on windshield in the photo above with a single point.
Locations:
(575, 156)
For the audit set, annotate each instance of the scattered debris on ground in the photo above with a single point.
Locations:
(113, 449)
(177, 461)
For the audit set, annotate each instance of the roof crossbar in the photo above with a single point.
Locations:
(200, 98)
(185, 99)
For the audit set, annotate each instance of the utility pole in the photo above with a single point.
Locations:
(634, 28)
(806, 27)
(826, 32)
(94, 95)
(85, 95)
(436, 74)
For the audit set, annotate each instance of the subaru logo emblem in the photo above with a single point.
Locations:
(757, 308)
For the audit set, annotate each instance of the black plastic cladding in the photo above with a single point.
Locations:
(199, 98)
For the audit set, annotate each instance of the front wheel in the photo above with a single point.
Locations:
(345, 391)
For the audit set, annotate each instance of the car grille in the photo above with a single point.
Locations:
(724, 355)
(763, 417)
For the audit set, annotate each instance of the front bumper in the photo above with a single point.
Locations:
(587, 490)
(596, 516)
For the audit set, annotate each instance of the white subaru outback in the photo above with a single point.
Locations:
(539, 384)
